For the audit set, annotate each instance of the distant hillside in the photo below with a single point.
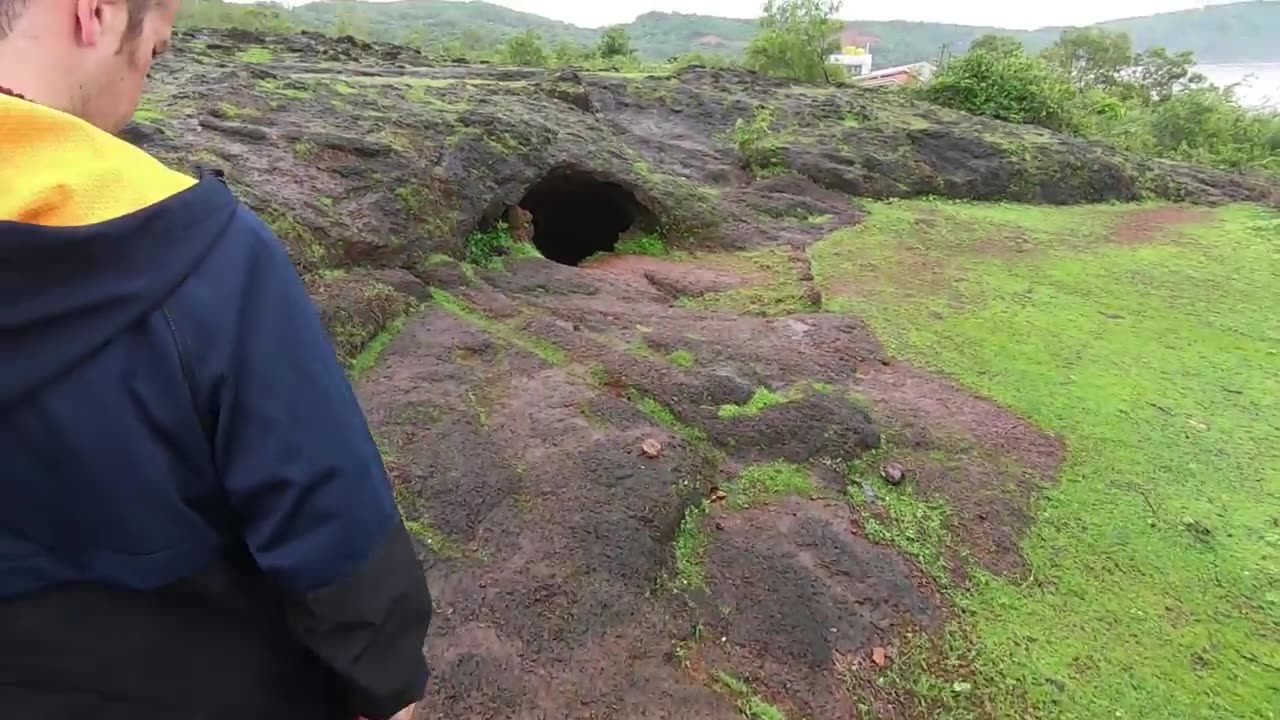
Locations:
(1243, 32)
(1240, 32)
(471, 25)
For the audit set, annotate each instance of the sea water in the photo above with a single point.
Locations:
(1259, 83)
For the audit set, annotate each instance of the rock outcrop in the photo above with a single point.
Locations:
(631, 505)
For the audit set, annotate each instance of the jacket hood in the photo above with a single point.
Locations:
(94, 235)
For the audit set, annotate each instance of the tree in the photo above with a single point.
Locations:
(1156, 75)
(264, 17)
(615, 43)
(526, 49)
(569, 53)
(1091, 57)
(998, 45)
(419, 38)
(796, 37)
(1000, 82)
(349, 21)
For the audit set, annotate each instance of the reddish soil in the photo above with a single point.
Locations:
(1140, 227)
(672, 278)
(986, 462)
(551, 529)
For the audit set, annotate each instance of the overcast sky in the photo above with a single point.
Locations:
(1018, 14)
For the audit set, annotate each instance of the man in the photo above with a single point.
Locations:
(194, 519)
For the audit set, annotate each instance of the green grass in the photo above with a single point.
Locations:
(641, 349)
(255, 55)
(752, 706)
(646, 244)
(411, 511)
(369, 354)
(779, 293)
(278, 87)
(412, 197)
(681, 358)
(233, 112)
(597, 374)
(1154, 563)
(915, 525)
(148, 115)
(544, 349)
(757, 483)
(663, 415)
(690, 549)
(304, 150)
(761, 399)
(431, 537)
(487, 248)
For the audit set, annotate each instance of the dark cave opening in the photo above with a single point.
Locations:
(576, 214)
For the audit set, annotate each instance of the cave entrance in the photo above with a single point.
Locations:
(576, 214)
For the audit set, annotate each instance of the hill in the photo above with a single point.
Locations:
(1239, 32)
(471, 25)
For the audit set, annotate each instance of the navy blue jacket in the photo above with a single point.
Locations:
(186, 471)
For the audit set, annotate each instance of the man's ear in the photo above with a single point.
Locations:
(99, 21)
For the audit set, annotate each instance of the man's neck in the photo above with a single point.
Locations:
(23, 74)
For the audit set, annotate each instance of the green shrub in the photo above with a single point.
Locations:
(1091, 83)
(755, 140)
(1007, 84)
(525, 49)
(615, 43)
(1207, 125)
(646, 244)
(487, 248)
(796, 37)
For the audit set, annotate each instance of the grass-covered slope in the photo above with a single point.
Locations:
(1148, 341)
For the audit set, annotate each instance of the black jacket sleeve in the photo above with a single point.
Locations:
(369, 627)
(305, 478)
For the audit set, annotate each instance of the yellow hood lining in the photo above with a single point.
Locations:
(61, 171)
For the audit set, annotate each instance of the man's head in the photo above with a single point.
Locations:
(89, 58)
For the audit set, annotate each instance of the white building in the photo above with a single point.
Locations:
(921, 72)
(855, 59)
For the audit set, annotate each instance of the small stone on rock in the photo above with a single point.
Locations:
(651, 448)
(893, 473)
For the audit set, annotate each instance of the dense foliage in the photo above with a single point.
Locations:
(1091, 82)
(795, 39)
(1241, 32)
(1005, 83)
(525, 49)
(615, 43)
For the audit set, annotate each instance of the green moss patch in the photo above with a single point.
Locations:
(543, 348)
(758, 483)
(762, 399)
(681, 358)
(751, 705)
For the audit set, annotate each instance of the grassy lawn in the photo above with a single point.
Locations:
(1154, 589)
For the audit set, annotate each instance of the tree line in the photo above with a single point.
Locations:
(1090, 82)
